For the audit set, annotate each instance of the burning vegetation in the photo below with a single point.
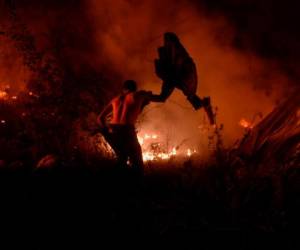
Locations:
(155, 149)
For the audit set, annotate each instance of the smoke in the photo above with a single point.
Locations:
(13, 73)
(240, 83)
(119, 39)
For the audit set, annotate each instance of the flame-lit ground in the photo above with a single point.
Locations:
(176, 195)
(155, 149)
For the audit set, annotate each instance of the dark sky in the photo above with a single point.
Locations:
(267, 27)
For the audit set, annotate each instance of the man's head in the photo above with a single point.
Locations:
(129, 86)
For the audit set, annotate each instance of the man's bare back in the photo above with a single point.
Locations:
(120, 132)
(127, 107)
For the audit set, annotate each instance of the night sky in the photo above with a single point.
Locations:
(269, 28)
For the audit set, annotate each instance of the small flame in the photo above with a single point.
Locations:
(33, 94)
(148, 156)
(174, 151)
(3, 95)
(245, 124)
(153, 149)
(189, 152)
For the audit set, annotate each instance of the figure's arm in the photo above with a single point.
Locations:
(162, 97)
(156, 98)
(148, 96)
(165, 93)
(102, 116)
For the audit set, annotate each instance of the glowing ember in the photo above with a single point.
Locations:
(189, 153)
(245, 124)
(33, 94)
(174, 151)
(3, 95)
(14, 97)
(3, 121)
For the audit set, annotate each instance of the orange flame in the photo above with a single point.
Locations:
(3, 95)
(152, 149)
(189, 152)
(245, 124)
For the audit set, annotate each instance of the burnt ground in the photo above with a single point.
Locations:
(67, 202)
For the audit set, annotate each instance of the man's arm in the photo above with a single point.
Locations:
(147, 97)
(166, 91)
(102, 116)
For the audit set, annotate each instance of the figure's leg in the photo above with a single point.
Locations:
(115, 141)
(166, 90)
(191, 96)
(195, 101)
(122, 158)
(136, 156)
(206, 104)
(209, 110)
(198, 103)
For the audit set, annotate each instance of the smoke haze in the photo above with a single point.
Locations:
(119, 39)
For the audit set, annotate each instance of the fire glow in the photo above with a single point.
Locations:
(153, 149)
(3, 95)
(245, 124)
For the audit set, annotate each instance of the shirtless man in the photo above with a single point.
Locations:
(120, 132)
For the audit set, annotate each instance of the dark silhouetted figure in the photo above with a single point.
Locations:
(120, 132)
(178, 70)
